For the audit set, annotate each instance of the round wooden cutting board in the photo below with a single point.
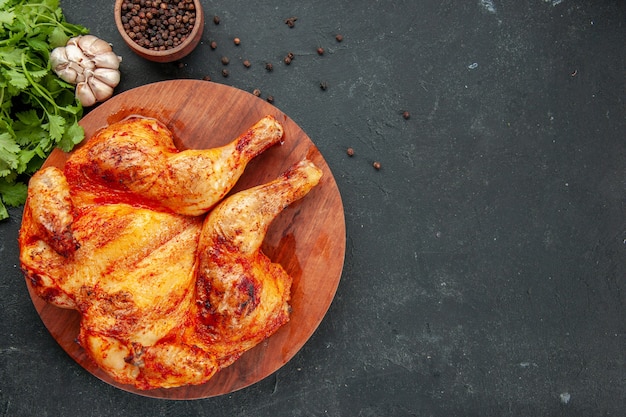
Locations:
(307, 239)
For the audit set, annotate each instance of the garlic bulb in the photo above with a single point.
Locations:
(89, 63)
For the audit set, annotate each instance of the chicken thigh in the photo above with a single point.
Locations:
(242, 297)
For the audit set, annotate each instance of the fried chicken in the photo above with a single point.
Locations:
(168, 295)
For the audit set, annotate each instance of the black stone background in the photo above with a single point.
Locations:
(485, 263)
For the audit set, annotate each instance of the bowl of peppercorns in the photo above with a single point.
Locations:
(160, 30)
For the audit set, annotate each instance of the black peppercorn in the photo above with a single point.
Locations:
(158, 25)
(269, 66)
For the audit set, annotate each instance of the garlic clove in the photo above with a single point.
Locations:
(76, 67)
(81, 73)
(100, 89)
(73, 41)
(85, 95)
(68, 75)
(58, 59)
(75, 54)
(107, 60)
(92, 45)
(107, 75)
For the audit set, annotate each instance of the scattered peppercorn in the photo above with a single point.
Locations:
(156, 25)
(225, 73)
(206, 78)
(269, 66)
(257, 92)
(350, 152)
(213, 45)
(291, 22)
(406, 115)
(290, 55)
(376, 165)
(270, 99)
(246, 63)
(225, 60)
(216, 20)
(320, 51)
(324, 85)
(237, 41)
(287, 60)
(339, 38)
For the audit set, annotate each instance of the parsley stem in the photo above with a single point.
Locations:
(42, 91)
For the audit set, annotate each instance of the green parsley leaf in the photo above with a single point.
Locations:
(38, 110)
(13, 194)
(8, 153)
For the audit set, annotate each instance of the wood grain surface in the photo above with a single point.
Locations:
(307, 239)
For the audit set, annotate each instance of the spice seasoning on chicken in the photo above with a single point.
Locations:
(158, 25)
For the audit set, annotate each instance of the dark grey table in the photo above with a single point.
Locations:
(486, 258)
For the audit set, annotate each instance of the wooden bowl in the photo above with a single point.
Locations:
(168, 55)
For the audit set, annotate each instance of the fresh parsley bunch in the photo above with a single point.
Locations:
(38, 110)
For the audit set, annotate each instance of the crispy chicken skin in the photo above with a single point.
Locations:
(168, 295)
